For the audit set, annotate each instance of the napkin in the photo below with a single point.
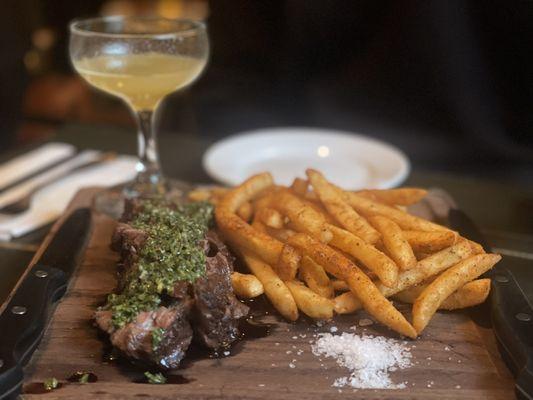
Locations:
(33, 161)
(51, 201)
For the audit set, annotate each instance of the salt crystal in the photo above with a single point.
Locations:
(447, 348)
(277, 344)
(333, 329)
(288, 352)
(295, 337)
(261, 385)
(458, 386)
(369, 359)
(226, 353)
(291, 365)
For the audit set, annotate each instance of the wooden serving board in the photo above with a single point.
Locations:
(454, 359)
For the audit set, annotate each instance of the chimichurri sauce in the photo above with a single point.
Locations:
(171, 253)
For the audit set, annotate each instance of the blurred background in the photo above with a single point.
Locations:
(448, 82)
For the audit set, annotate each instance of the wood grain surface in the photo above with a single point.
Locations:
(454, 359)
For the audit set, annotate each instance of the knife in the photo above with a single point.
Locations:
(25, 317)
(510, 309)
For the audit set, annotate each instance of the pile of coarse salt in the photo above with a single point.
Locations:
(368, 358)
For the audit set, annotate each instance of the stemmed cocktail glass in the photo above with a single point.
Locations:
(141, 60)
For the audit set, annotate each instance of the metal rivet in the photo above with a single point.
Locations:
(523, 317)
(18, 310)
(502, 279)
(41, 274)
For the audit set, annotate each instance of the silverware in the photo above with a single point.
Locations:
(24, 318)
(23, 204)
(32, 175)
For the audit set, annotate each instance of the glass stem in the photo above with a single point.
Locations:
(148, 169)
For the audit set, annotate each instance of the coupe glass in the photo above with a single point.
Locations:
(141, 60)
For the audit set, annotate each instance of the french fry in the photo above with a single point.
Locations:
(471, 294)
(346, 303)
(282, 234)
(476, 247)
(340, 286)
(448, 282)
(288, 263)
(316, 278)
(406, 221)
(426, 268)
(276, 291)
(246, 286)
(310, 303)
(429, 242)
(299, 186)
(342, 268)
(238, 232)
(429, 267)
(395, 197)
(372, 258)
(270, 217)
(345, 215)
(394, 241)
(302, 217)
(245, 211)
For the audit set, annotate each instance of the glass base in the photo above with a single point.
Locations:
(111, 201)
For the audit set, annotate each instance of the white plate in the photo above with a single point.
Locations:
(351, 161)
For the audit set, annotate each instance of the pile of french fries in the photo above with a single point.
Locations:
(317, 249)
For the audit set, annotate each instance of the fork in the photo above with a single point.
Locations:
(22, 204)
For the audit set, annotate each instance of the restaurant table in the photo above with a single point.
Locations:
(503, 212)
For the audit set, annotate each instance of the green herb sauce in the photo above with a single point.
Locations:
(155, 379)
(157, 336)
(50, 384)
(171, 253)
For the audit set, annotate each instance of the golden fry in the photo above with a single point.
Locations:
(270, 217)
(310, 303)
(448, 282)
(236, 231)
(429, 242)
(346, 303)
(282, 234)
(246, 286)
(406, 221)
(245, 211)
(340, 286)
(288, 263)
(395, 197)
(427, 268)
(299, 186)
(342, 268)
(372, 258)
(316, 278)
(394, 241)
(276, 291)
(302, 217)
(342, 212)
(476, 247)
(471, 294)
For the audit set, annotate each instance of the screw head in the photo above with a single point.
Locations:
(501, 279)
(19, 310)
(524, 317)
(41, 274)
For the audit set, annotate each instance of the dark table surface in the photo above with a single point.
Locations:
(503, 212)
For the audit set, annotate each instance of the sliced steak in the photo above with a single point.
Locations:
(208, 304)
(135, 339)
(217, 310)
